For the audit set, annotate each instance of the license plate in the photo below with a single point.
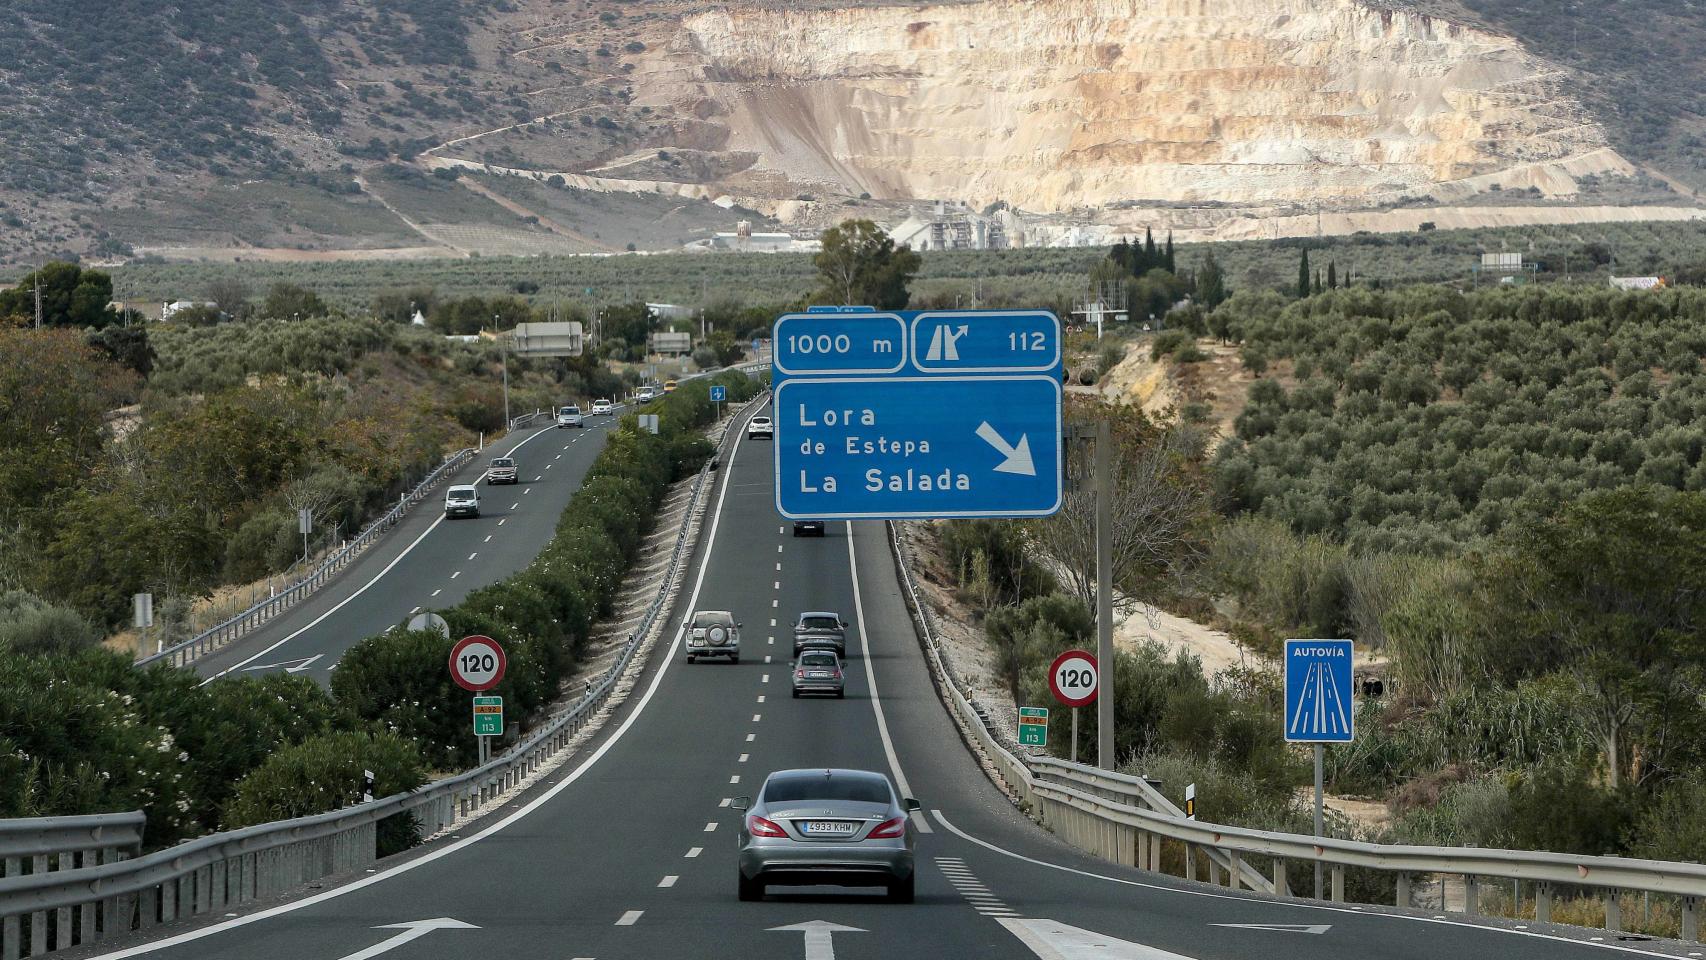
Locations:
(830, 828)
(818, 675)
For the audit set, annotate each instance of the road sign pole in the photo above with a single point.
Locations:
(1104, 595)
(1074, 757)
(1320, 751)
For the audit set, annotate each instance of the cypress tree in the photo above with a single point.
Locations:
(1170, 264)
(1303, 274)
(1150, 257)
(1317, 288)
(1210, 285)
(1332, 275)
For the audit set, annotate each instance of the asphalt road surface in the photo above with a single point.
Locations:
(628, 850)
(427, 561)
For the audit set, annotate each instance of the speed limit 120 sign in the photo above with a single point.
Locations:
(476, 663)
(1073, 678)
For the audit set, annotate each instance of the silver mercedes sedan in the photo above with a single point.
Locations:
(818, 826)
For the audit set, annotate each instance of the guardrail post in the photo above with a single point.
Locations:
(1213, 870)
(1190, 861)
(1471, 896)
(1543, 902)
(1234, 869)
(38, 920)
(1281, 887)
(1141, 850)
(1690, 918)
(1338, 883)
(11, 930)
(1155, 851)
(1613, 911)
(62, 918)
(1403, 897)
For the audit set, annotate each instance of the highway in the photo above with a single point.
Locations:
(627, 851)
(427, 561)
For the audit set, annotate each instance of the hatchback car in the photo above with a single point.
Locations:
(502, 470)
(812, 827)
(713, 633)
(760, 427)
(819, 671)
(601, 407)
(808, 528)
(462, 501)
(820, 628)
(570, 416)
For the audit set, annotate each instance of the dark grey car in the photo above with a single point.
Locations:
(826, 826)
(820, 628)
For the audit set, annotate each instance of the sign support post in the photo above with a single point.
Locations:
(1319, 691)
(1074, 756)
(1320, 804)
(1105, 591)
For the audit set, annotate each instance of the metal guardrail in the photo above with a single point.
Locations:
(42, 847)
(1124, 819)
(234, 628)
(238, 866)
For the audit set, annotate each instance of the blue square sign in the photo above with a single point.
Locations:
(718, 393)
(1319, 705)
(883, 415)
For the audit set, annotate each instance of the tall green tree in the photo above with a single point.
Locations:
(70, 297)
(860, 265)
(1613, 591)
(287, 301)
(1211, 283)
(1169, 262)
(1332, 275)
(1303, 274)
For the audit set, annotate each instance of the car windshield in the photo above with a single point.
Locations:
(820, 623)
(571, 409)
(818, 660)
(461, 495)
(710, 619)
(503, 462)
(819, 786)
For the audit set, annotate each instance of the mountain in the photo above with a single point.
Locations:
(382, 128)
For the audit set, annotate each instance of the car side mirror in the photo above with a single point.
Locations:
(741, 803)
(911, 805)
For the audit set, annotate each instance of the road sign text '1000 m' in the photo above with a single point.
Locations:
(917, 415)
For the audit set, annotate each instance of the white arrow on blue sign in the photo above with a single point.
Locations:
(1319, 704)
(718, 393)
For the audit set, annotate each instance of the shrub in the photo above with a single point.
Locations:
(29, 624)
(1673, 825)
(327, 773)
(1563, 810)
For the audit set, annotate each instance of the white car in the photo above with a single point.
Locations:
(760, 427)
(570, 416)
(602, 407)
(713, 633)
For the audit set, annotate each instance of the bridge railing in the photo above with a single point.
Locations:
(43, 911)
(1124, 819)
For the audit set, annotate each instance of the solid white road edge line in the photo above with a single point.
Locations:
(918, 820)
(536, 803)
(376, 577)
(956, 831)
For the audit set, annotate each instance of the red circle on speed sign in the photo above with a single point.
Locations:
(477, 663)
(1074, 679)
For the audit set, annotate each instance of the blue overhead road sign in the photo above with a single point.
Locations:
(871, 447)
(917, 415)
(1318, 694)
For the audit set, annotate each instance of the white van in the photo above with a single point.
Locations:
(462, 501)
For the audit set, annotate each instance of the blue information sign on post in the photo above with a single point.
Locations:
(718, 393)
(917, 415)
(1318, 692)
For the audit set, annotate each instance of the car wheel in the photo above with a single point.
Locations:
(734, 659)
(900, 891)
(796, 694)
(691, 658)
(840, 694)
(750, 890)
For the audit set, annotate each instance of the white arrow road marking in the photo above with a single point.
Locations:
(411, 931)
(1279, 927)
(820, 937)
(1053, 940)
(290, 666)
(1018, 457)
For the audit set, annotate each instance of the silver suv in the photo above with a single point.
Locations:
(820, 628)
(713, 633)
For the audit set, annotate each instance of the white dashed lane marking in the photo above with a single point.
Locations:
(973, 890)
(630, 918)
(438, 591)
(743, 758)
(456, 574)
(711, 827)
(488, 539)
(695, 852)
(668, 881)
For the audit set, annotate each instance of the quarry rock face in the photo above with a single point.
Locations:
(1062, 105)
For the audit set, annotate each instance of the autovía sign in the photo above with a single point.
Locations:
(917, 415)
(1318, 691)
